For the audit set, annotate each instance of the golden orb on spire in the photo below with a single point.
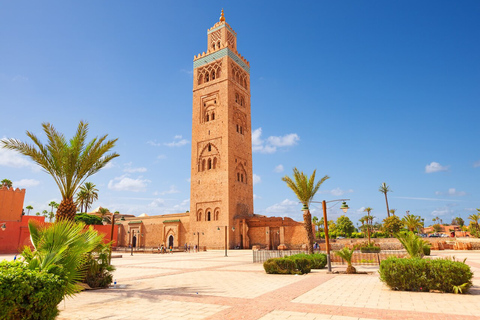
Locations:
(222, 17)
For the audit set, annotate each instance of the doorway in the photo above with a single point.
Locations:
(170, 241)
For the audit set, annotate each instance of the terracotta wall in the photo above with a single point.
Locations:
(16, 234)
(11, 204)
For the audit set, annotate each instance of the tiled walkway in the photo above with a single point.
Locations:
(208, 285)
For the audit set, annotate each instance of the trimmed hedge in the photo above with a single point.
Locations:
(287, 265)
(425, 274)
(29, 294)
(316, 260)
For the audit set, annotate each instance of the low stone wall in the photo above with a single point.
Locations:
(394, 244)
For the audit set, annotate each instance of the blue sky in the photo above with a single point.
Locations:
(363, 91)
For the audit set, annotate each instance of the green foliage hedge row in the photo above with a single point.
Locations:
(29, 294)
(425, 274)
(88, 219)
(296, 264)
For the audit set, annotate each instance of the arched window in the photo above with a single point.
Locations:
(241, 130)
(209, 147)
(213, 115)
(241, 102)
(208, 216)
(218, 72)
(215, 216)
(207, 78)
(237, 128)
(218, 44)
(208, 117)
(215, 163)
(203, 165)
(213, 46)
(238, 176)
(241, 177)
(209, 164)
(213, 75)
(199, 216)
(236, 97)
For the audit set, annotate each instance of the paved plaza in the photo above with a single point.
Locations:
(207, 285)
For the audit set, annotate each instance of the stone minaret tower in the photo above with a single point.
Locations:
(221, 192)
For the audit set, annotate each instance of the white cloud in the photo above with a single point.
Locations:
(452, 192)
(255, 197)
(336, 192)
(133, 170)
(13, 159)
(177, 142)
(278, 168)
(124, 183)
(157, 203)
(161, 157)
(172, 190)
(476, 164)
(360, 210)
(109, 165)
(442, 211)
(284, 208)
(256, 179)
(271, 144)
(25, 183)
(154, 143)
(435, 167)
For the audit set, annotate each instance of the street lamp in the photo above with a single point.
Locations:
(134, 241)
(198, 239)
(344, 208)
(4, 226)
(111, 239)
(233, 229)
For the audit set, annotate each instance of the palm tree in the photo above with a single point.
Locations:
(412, 243)
(474, 218)
(89, 193)
(68, 162)
(103, 212)
(392, 211)
(412, 222)
(384, 189)
(346, 254)
(363, 220)
(6, 183)
(305, 188)
(81, 200)
(29, 207)
(53, 204)
(45, 213)
(368, 220)
(64, 244)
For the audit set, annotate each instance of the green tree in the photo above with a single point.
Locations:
(81, 200)
(412, 222)
(68, 162)
(45, 213)
(37, 214)
(392, 211)
(345, 225)
(369, 220)
(385, 189)
(392, 225)
(29, 207)
(88, 193)
(437, 227)
(6, 183)
(458, 221)
(305, 188)
(412, 243)
(104, 212)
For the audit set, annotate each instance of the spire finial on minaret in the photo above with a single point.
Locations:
(222, 17)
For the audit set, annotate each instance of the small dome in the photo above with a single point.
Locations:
(143, 215)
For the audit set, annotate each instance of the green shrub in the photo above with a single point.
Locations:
(425, 274)
(302, 264)
(88, 219)
(98, 269)
(412, 243)
(316, 260)
(30, 294)
(426, 250)
(279, 266)
(369, 248)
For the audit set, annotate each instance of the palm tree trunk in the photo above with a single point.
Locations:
(307, 222)
(386, 200)
(66, 210)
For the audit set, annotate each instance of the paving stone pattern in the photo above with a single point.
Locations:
(209, 286)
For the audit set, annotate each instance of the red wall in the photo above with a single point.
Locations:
(17, 235)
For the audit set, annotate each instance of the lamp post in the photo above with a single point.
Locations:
(344, 208)
(226, 228)
(111, 239)
(134, 241)
(198, 239)
(4, 226)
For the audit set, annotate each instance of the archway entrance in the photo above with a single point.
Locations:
(170, 241)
